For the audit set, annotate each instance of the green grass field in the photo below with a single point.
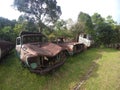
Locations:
(105, 76)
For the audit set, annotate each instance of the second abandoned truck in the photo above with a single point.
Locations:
(71, 47)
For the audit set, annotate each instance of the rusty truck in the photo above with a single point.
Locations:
(39, 55)
(72, 47)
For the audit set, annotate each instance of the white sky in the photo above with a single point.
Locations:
(7, 11)
(71, 8)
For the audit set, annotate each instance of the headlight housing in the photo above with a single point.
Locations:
(24, 48)
(32, 62)
(37, 61)
(33, 65)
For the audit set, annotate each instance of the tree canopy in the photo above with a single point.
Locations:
(42, 11)
(104, 31)
(85, 19)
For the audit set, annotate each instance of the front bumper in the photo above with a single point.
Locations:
(48, 69)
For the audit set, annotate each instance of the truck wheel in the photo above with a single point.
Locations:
(85, 48)
(23, 64)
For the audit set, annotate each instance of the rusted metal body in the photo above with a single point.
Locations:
(71, 47)
(37, 54)
(5, 48)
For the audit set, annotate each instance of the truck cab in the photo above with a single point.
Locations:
(86, 39)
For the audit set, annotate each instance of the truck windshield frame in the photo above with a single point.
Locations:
(33, 39)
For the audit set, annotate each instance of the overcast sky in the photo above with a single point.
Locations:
(71, 8)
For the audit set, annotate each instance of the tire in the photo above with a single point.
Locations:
(23, 64)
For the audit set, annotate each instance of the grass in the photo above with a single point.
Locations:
(106, 75)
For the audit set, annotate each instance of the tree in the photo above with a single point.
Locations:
(29, 24)
(76, 29)
(43, 11)
(7, 34)
(6, 29)
(103, 31)
(85, 19)
(60, 24)
(24, 24)
(5, 22)
(69, 23)
(60, 29)
(116, 38)
(106, 34)
(110, 21)
(97, 19)
(83, 25)
(98, 24)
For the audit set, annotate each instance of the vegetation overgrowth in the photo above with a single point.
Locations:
(105, 76)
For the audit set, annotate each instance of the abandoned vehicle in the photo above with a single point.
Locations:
(71, 47)
(5, 48)
(37, 54)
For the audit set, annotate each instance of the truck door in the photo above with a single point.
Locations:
(18, 46)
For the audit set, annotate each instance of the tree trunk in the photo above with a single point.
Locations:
(40, 26)
(40, 29)
(77, 37)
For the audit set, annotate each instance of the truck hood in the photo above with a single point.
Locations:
(46, 49)
(71, 43)
(68, 45)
